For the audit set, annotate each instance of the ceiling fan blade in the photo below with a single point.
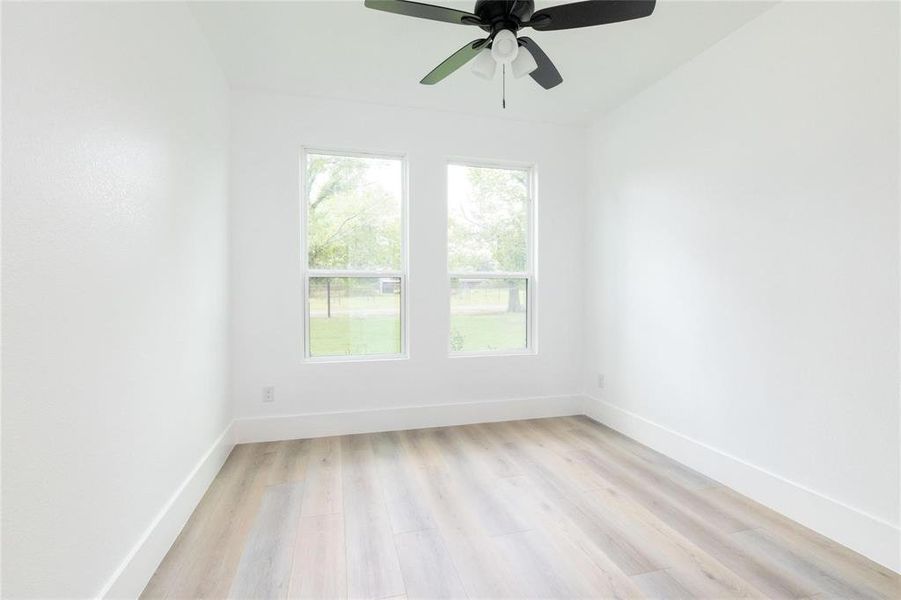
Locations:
(592, 12)
(424, 11)
(454, 61)
(546, 75)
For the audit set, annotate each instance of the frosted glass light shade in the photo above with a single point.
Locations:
(484, 64)
(524, 63)
(504, 47)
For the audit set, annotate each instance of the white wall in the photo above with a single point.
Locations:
(743, 266)
(267, 316)
(742, 239)
(115, 284)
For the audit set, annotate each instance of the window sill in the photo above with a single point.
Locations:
(316, 360)
(499, 353)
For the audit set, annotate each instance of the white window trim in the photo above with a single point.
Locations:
(307, 273)
(530, 274)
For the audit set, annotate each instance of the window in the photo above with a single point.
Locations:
(354, 238)
(489, 237)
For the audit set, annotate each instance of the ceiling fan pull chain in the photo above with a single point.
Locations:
(504, 86)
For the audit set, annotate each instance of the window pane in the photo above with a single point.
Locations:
(355, 316)
(354, 212)
(488, 219)
(488, 314)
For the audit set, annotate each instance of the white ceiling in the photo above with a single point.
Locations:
(340, 49)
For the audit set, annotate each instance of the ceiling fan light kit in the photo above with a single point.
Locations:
(484, 65)
(502, 20)
(504, 47)
(523, 64)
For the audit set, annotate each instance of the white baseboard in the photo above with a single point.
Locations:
(867, 534)
(288, 427)
(145, 556)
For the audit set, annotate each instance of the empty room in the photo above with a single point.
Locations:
(393, 300)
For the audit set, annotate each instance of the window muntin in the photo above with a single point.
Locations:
(354, 255)
(490, 259)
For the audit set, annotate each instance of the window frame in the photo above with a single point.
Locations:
(403, 273)
(530, 275)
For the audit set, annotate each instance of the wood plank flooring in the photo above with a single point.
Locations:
(550, 508)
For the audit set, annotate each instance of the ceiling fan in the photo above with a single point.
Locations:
(502, 19)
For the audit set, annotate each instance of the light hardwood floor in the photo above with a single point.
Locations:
(550, 508)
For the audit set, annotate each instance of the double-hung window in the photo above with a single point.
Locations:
(354, 251)
(490, 261)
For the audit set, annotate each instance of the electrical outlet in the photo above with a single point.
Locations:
(601, 381)
(269, 393)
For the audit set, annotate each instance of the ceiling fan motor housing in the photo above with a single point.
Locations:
(496, 15)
